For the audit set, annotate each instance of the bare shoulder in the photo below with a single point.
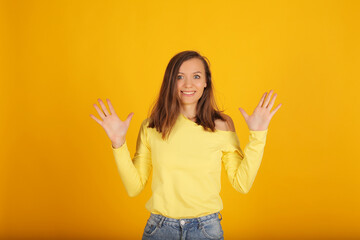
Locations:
(227, 125)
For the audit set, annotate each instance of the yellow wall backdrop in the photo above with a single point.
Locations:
(58, 177)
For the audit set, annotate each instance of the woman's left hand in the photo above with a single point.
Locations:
(261, 116)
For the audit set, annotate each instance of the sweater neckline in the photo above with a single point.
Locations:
(196, 125)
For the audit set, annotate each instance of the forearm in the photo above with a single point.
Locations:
(128, 172)
(242, 167)
(249, 166)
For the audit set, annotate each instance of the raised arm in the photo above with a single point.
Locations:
(242, 167)
(133, 172)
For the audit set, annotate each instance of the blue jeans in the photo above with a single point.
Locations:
(205, 227)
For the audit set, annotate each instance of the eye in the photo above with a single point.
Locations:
(179, 76)
(198, 76)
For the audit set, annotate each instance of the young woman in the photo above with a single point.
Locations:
(184, 141)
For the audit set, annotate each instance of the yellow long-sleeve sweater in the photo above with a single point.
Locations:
(186, 168)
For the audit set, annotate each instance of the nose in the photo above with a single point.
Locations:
(187, 82)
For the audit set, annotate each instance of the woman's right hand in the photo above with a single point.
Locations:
(113, 126)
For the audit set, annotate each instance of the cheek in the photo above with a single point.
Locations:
(200, 84)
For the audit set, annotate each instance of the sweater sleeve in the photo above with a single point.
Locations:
(241, 167)
(134, 172)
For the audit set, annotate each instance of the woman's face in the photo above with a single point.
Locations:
(191, 81)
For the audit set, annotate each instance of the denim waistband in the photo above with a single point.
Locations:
(187, 220)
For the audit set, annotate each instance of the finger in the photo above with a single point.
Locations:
(245, 115)
(129, 117)
(272, 101)
(112, 110)
(103, 107)
(99, 111)
(268, 98)
(262, 99)
(273, 112)
(97, 120)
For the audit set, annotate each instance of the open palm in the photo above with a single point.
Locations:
(113, 126)
(260, 118)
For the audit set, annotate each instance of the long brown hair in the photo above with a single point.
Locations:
(167, 106)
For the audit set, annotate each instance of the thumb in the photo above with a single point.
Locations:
(129, 117)
(243, 113)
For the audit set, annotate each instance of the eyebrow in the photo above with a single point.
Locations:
(193, 72)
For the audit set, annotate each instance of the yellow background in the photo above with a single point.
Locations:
(58, 177)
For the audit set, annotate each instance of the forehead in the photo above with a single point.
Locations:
(192, 65)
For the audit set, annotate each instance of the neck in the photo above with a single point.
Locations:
(188, 110)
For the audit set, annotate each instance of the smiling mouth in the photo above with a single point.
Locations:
(188, 93)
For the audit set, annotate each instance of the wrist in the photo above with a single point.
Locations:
(118, 142)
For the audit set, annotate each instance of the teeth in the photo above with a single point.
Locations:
(189, 93)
